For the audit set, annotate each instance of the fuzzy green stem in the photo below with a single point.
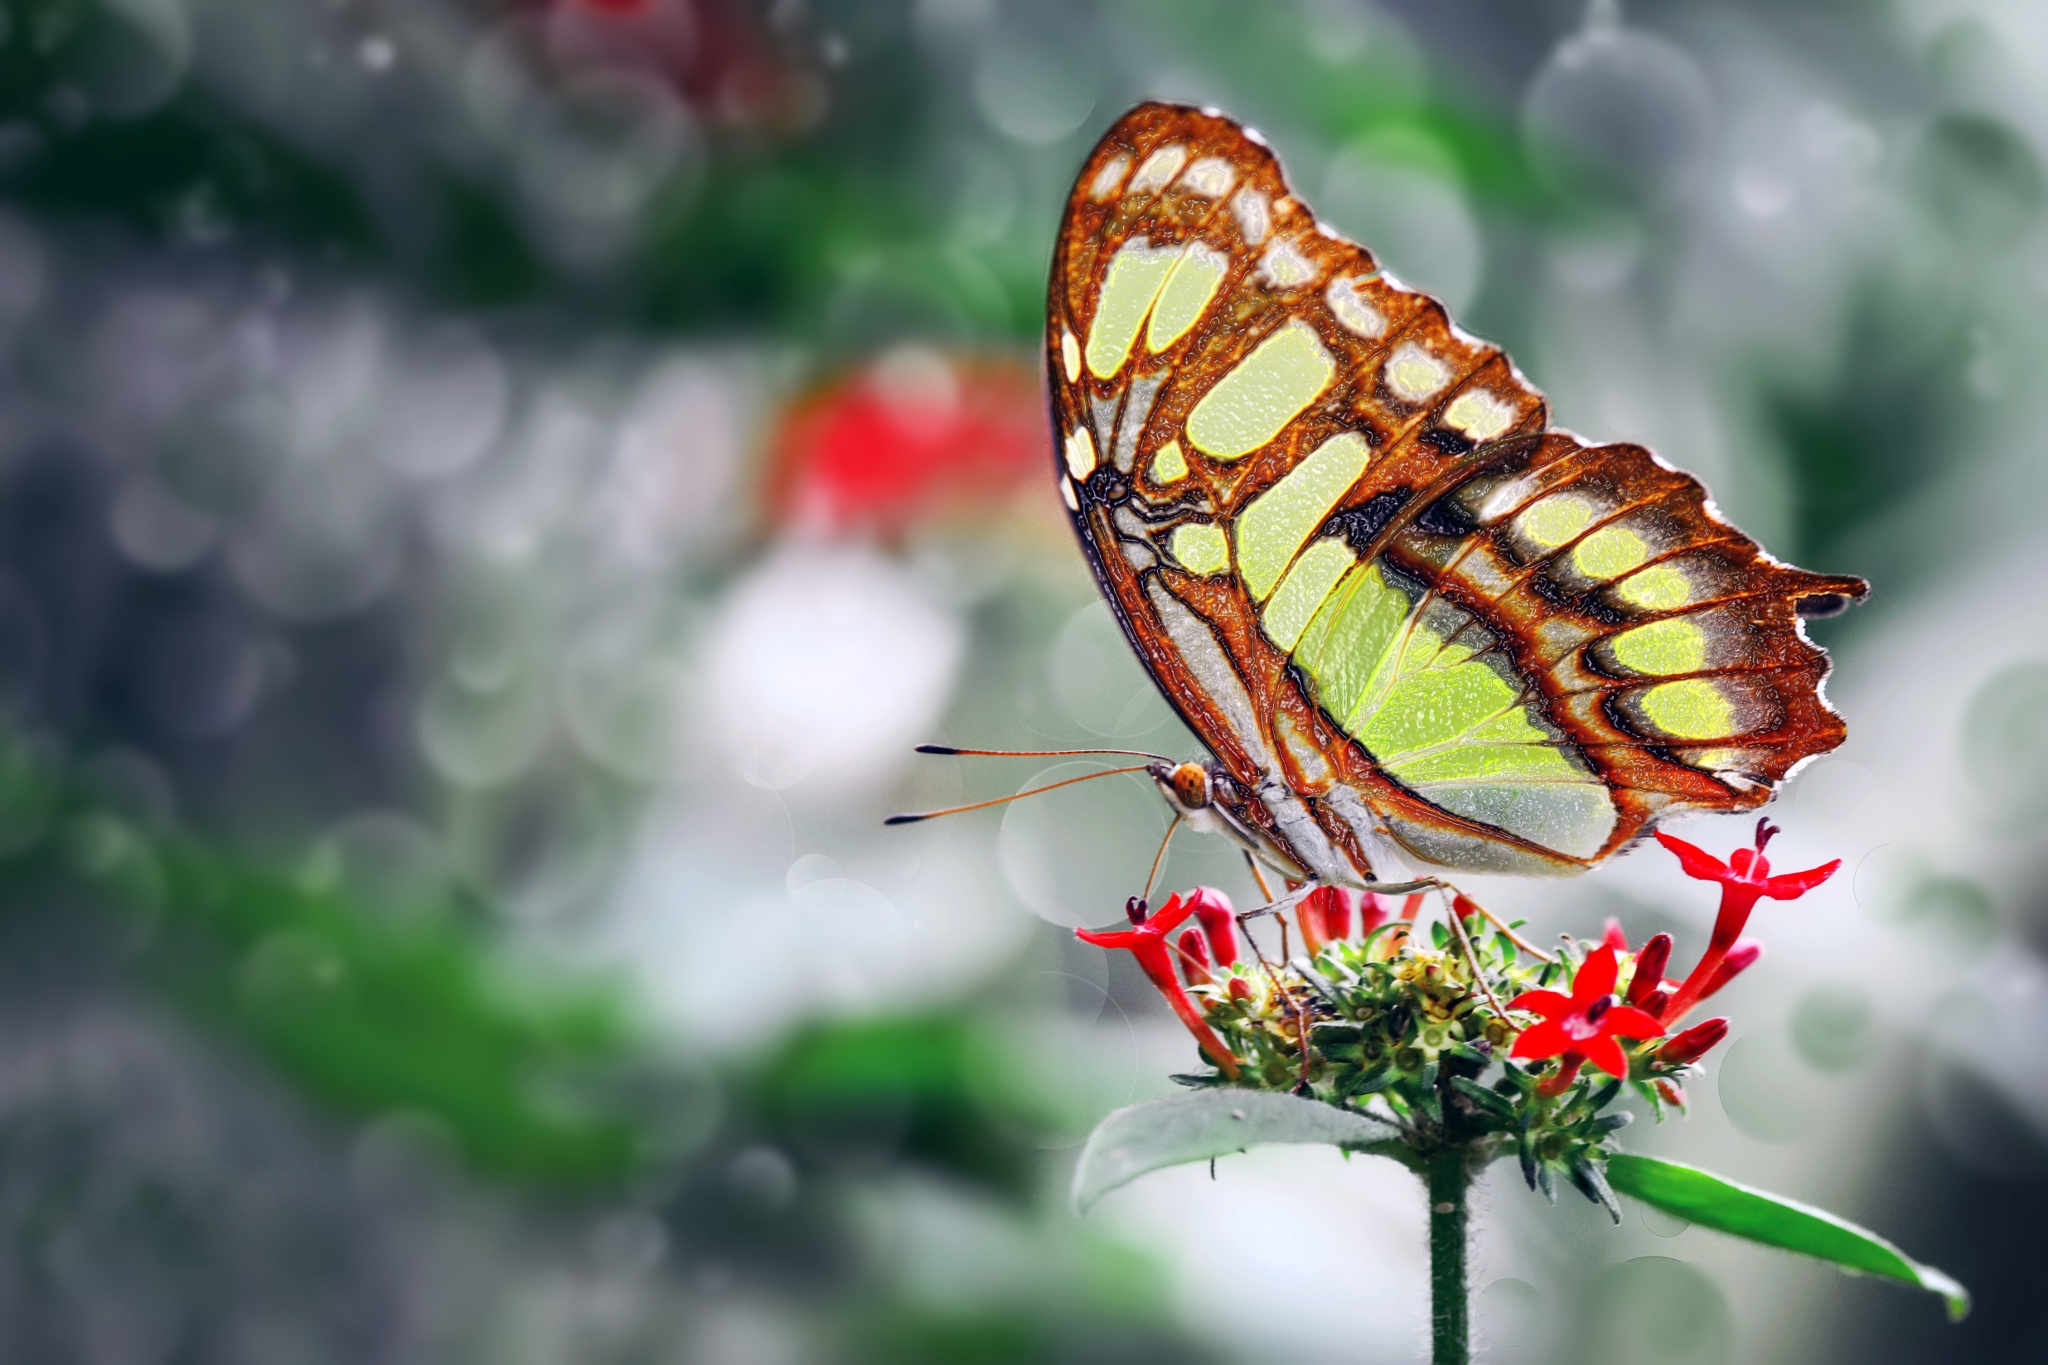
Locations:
(1448, 1177)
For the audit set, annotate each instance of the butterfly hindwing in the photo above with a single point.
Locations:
(1404, 614)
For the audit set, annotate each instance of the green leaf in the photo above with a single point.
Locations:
(1500, 1106)
(1183, 1128)
(1707, 1199)
(1587, 1176)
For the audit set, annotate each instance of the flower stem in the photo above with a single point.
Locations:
(1448, 1176)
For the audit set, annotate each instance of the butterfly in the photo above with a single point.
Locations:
(1416, 625)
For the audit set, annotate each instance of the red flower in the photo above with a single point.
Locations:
(1744, 879)
(1584, 1025)
(1147, 942)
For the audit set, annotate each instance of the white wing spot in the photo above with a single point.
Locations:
(1067, 493)
(1414, 374)
(1254, 215)
(1158, 168)
(1211, 178)
(1109, 177)
(1070, 355)
(1081, 453)
(1346, 297)
(1284, 267)
(1478, 415)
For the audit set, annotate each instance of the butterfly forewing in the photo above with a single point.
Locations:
(1408, 618)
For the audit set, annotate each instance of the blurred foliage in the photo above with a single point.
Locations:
(907, 1083)
(368, 1012)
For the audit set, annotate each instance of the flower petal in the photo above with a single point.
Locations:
(1606, 1054)
(1108, 938)
(1625, 1021)
(1595, 977)
(1549, 1004)
(1697, 862)
(1546, 1039)
(1792, 885)
(1168, 916)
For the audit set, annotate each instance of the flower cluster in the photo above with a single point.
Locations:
(1376, 1011)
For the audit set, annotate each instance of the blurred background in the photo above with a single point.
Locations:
(491, 490)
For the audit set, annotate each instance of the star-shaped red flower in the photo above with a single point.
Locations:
(1744, 880)
(1584, 1025)
(1147, 941)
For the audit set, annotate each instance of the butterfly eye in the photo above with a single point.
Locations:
(1191, 785)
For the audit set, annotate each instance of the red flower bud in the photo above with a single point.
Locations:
(1693, 1044)
(1673, 1093)
(1219, 922)
(1240, 989)
(1324, 914)
(1740, 958)
(1337, 914)
(1614, 938)
(1649, 973)
(1194, 958)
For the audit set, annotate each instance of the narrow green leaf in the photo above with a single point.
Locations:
(1587, 1176)
(1183, 1128)
(1707, 1199)
(1495, 1104)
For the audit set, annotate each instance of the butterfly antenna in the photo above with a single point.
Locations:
(912, 819)
(1037, 753)
(1160, 856)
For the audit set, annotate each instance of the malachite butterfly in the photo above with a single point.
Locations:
(1415, 624)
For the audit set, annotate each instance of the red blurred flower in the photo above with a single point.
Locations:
(1194, 958)
(1146, 941)
(1744, 880)
(908, 436)
(1583, 1026)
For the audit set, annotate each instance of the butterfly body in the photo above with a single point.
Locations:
(1415, 624)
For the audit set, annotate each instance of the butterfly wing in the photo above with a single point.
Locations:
(1406, 615)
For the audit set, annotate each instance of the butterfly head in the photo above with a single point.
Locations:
(1188, 787)
(1201, 792)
